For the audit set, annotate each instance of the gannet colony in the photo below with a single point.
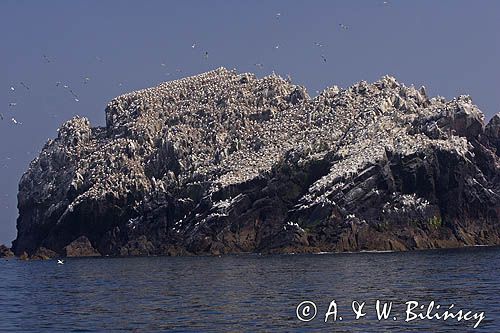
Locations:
(223, 162)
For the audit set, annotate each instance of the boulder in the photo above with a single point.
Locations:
(5, 252)
(80, 247)
(43, 253)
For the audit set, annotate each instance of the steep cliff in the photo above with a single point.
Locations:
(225, 163)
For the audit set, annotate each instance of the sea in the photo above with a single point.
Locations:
(327, 292)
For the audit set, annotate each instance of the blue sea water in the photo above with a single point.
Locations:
(249, 293)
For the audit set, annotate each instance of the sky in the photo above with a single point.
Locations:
(101, 49)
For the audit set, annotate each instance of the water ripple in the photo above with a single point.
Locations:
(244, 293)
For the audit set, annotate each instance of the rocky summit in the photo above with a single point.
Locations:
(223, 162)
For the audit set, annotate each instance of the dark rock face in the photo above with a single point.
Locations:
(5, 252)
(80, 247)
(227, 163)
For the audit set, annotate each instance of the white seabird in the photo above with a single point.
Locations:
(60, 262)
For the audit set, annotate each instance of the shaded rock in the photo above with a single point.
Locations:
(5, 252)
(492, 132)
(80, 247)
(141, 247)
(43, 254)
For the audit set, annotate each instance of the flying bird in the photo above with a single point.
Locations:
(318, 44)
(86, 80)
(277, 46)
(324, 58)
(25, 86)
(12, 88)
(60, 262)
(206, 54)
(259, 65)
(278, 15)
(47, 60)
(343, 26)
(12, 104)
(193, 46)
(74, 95)
(1, 116)
(15, 121)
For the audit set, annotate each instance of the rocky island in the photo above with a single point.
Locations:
(225, 163)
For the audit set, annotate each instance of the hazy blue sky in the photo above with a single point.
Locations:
(451, 47)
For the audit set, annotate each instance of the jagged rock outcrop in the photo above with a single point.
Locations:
(80, 247)
(227, 163)
(5, 252)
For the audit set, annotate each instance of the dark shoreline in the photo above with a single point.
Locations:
(465, 247)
